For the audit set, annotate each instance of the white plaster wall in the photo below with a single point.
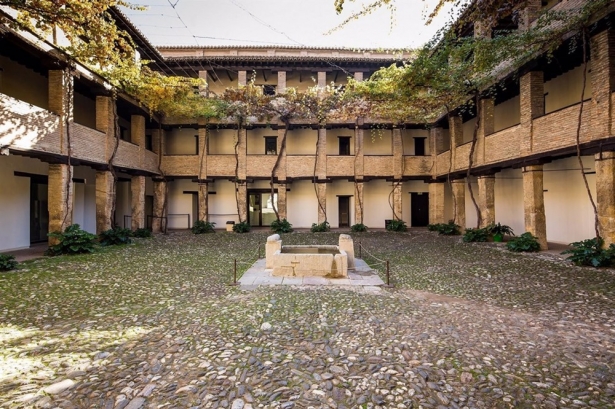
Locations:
(565, 90)
(507, 114)
(22, 83)
(407, 188)
(181, 141)
(301, 142)
(468, 130)
(123, 204)
(335, 189)
(181, 203)
(302, 205)
(569, 214)
(84, 204)
(302, 80)
(378, 142)
(15, 200)
(509, 199)
(333, 144)
(376, 206)
(256, 139)
(84, 110)
(408, 136)
(222, 141)
(222, 205)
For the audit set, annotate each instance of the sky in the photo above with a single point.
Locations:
(283, 22)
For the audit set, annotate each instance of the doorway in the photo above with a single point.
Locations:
(344, 211)
(260, 207)
(39, 213)
(419, 209)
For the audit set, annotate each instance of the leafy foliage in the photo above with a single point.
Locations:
(446, 229)
(524, 243)
(7, 262)
(281, 226)
(397, 225)
(116, 236)
(73, 240)
(498, 228)
(320, 228)
(242, 227)
(590, 253)
(476, 235)
(203, 227)
(142, 233)
(358, 228)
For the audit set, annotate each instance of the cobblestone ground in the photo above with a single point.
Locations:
(155, 325)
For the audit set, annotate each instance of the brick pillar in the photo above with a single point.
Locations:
(398, 154)
(322, 79)
(455, 125)
(203, 198)
(282, 201)
(486, 128)
(321, 154)
(281, 82)
(60, 103)
(203, 135)
(137, 135)
(358, 153)
(458, 187)
(532, 99)
(137, 190)
(204, 89)
(242, 200)
(358, 76)
(242, 154)
(397, 203)
(105, 122)
(534, 204)
(529, 14)
(242, 78)
(60, 198)
(436, 203)
(486, 199)
(105, 200)
(605, 195)
(602, 81)
(358, 202)
(160, 205)
(321, 193)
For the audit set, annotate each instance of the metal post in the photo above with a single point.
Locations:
(388, 284)
(234, 273)
(360, 252)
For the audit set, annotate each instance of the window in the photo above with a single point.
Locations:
(149, 145)
(271, 145)
(269, 89)
(344, 142)
(124, 134)
(196, 144)
(419, 146)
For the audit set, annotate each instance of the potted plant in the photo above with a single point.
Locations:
(498, 230)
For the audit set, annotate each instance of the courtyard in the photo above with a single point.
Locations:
(155, 324)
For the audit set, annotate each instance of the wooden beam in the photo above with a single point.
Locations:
(228, 72)
(264, 76)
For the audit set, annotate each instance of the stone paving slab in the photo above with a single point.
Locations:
(258, 275)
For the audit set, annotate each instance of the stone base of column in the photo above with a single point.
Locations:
(459, 202)
(436, 203)
(605, 195)
(397, 201)
(159, 224)
(358, 203)
(321, 193)
(282, 201)
(486, 200)
(534, 205)
(137, 190)
(60, 199)
(203, 198)
(242, 201)
(105, 199)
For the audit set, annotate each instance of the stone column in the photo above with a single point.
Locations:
(242, 200)
(397, 201)
(486, 128)
(242, 78)
(398, 154)
(281, 88)
(358, 76)
(203, 135)
(137, 190)
(60, 198)
(534, 204)
(532, 99)
(242, 155)
(458, 187)
(282, 201)
(358, 202)
(321, 192)
(204, 89)
(358, 153)
(455, 125)
(436, 203)
(105, 122)
(60, 103)
(160, 206)
(486, 199)
(605, 195)
(482, 30)
(137, 135)
(529, 14)
(603, 82)
(322, 79)
(203, 198)
(105, 200)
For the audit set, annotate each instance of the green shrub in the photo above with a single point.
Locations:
(142, 233)
(590, 253)
(7, 262)
(72, 241)
(320, 228)
(115, 237)
(358, 228)
(526, 242)
(476, 235)
(281, 226)
(242, 227)
(446, 229)
(498, 228)
(202, 227)
(397, 225)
